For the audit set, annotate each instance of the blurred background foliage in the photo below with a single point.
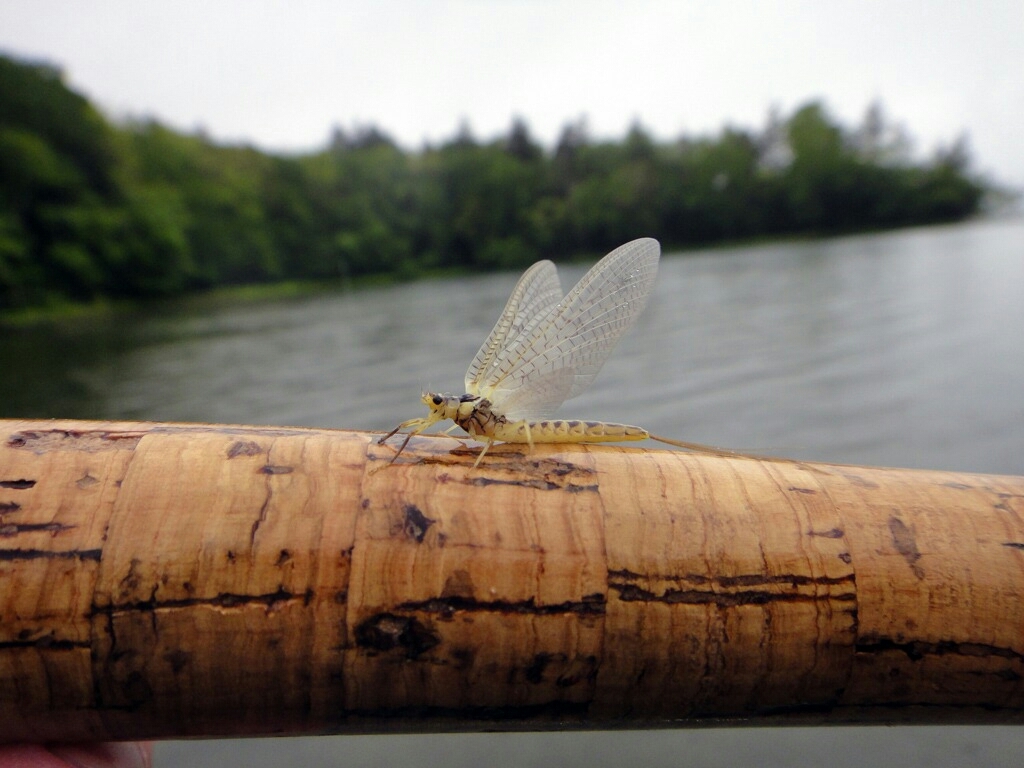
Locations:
(92, 210)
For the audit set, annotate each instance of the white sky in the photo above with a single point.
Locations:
(281, 73)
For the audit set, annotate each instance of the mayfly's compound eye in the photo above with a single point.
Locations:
(438, 399)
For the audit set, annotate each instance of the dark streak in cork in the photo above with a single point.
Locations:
(262, 517)
(178, 659)
(832, 533)
(17, 485)
(740, 580)
(42, 554)
(536, 483)
(535, 672)
(918, 649)
(445, 607)
(222, 600)
(90, 441)
(416, 524)
(276, 469)
(1004, 505)
(13, 529)
(794, 579)
(904, 542)
(633, 593)
(244, 448)
(387, 631)
(48, 642)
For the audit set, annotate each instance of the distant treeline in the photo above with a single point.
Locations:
(89, 209)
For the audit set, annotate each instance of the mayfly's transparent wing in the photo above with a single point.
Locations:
(558, 353)
(536, 292)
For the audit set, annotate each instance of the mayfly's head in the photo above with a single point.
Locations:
(449, 406)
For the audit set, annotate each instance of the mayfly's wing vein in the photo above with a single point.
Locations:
(557, 354)
(536, 292)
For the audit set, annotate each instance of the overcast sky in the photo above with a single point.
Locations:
(281, 73)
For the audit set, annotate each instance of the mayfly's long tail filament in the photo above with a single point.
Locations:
(712, 450)
(699, 447)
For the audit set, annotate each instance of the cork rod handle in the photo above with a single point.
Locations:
(173, 580)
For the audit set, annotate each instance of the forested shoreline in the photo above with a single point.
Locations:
(92, 210)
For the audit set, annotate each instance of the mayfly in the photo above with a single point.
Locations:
(547, 348)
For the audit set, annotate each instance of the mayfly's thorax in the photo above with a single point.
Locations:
(481, 420)
(471, 412)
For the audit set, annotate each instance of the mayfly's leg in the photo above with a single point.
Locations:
(398, 429)
(487, 444)
(417, 425)
(529, 434)
(401, 448)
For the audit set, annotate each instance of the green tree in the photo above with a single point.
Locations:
(90, 210)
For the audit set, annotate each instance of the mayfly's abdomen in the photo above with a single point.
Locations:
(568, 432)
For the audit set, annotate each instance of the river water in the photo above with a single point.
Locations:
(901, 349)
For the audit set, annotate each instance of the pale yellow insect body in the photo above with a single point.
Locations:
(547, 348)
